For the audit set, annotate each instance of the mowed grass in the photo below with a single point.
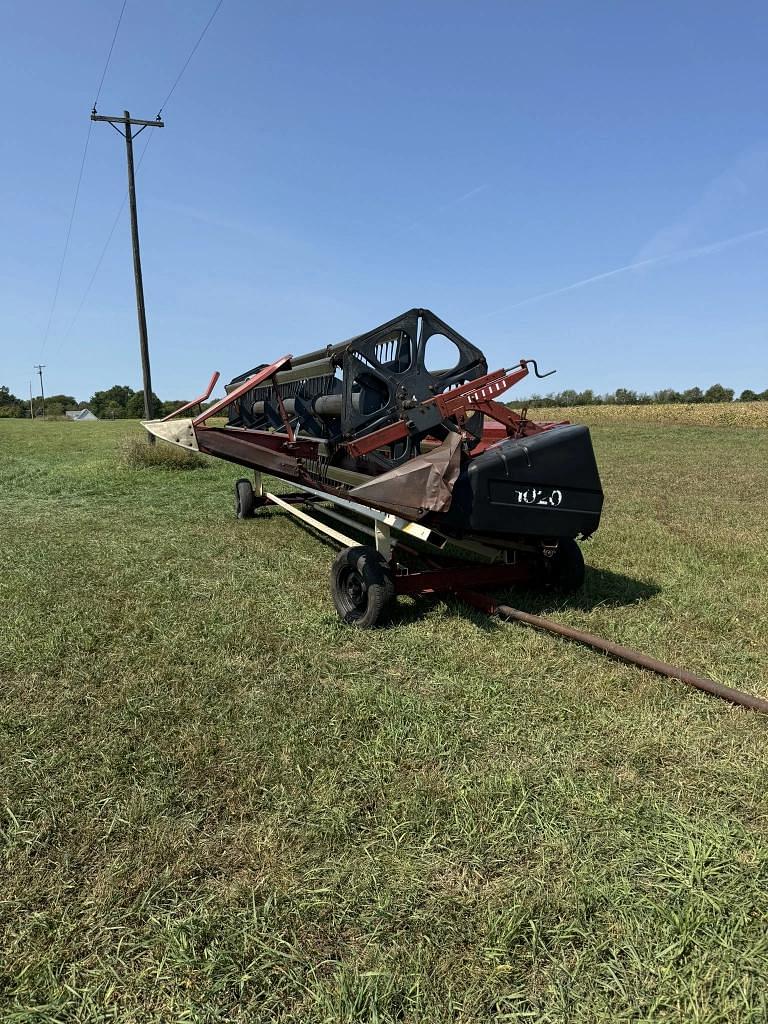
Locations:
(219, 804)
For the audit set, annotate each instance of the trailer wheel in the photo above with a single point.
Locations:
(566, 568)
(245, 499)
(361, 586)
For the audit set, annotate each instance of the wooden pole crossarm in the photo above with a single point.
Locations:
(128, 120)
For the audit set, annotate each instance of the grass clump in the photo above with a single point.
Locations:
(138, 453)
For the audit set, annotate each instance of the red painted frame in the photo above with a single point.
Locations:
(252, 382)
(475, 395)
(195, 401)
(457, 577)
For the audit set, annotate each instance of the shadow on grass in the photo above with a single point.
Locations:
(602, 588)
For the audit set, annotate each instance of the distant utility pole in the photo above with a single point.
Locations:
(128, 121)
(40, 369)
(31, 407)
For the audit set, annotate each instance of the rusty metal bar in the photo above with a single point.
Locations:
(234, 446)
(251, 382)
(618, 651)
(453, 577)
(195, 401)
(483, 389)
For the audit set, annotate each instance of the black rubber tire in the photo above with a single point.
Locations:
(565, 569)
(361, 586)
(245, 499)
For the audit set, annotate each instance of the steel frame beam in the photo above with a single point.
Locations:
(383, 523)
(457, 578)
(454, 578)
(316, 524)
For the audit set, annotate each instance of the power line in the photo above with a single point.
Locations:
(189, 58)
(66, 241)
(115, 222)
(109, 55)
(100, 260)
(77, 191)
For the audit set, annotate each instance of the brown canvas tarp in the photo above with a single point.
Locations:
(421, 485)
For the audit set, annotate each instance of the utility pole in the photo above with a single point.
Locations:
(127, 134)
(40, 369)
(31, 407)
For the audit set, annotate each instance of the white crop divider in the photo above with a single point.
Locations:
(340, 538)
(383, 538)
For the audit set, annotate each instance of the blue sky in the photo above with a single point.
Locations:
(327, 166)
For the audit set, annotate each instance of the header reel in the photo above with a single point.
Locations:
(359, 386)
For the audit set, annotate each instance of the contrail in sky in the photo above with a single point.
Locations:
(441, 209)
(467, 195)
(682, 254)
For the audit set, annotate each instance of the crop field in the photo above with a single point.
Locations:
(720, 414)
(219, 804)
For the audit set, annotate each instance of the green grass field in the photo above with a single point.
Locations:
(218, 804)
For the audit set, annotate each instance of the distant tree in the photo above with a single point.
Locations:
(717, 393)
(166, 408)
(666, 396)
(10, 405)
(57, 405)
(693, 395)
(749, 396)
(567, 397)
(111, 403)
(134, 407)
(623, 396)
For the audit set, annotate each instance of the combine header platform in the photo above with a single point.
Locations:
(398, 436)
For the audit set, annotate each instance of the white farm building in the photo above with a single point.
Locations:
(80, 415)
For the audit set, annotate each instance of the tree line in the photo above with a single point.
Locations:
(118, 402)
(121, 402)
(625, 396)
